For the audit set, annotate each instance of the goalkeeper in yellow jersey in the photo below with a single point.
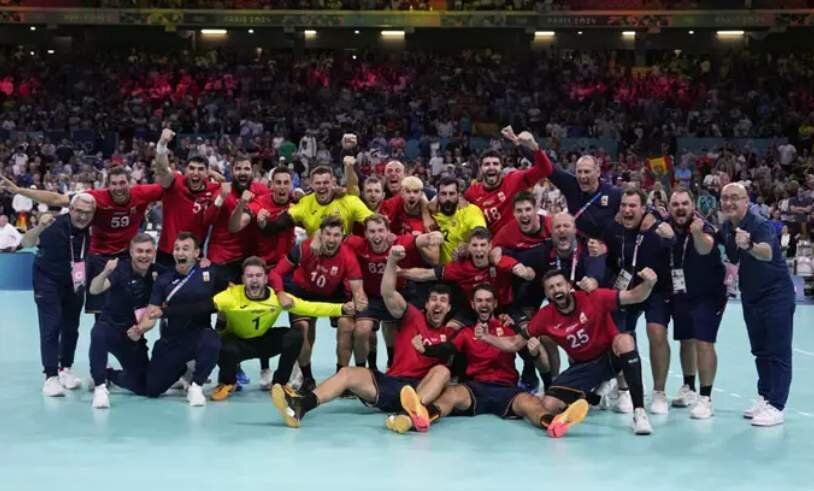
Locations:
(250, 311)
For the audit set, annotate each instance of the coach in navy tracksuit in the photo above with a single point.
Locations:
(183, 298)
(59, 288)
(767, 295)
(129, 282)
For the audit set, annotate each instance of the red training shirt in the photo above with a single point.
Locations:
(114, 225)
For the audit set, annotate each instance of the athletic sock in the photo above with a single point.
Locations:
(546, 378)
(371, 360)
(361, 363)
(434, 412)
(390, 352)
(706, 390)
(689, 380)
(306, 372)
(338, 367)
(632, 370)
(309, 402)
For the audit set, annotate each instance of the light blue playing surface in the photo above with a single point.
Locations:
(141, 444)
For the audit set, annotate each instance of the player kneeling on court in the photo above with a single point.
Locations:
(250, 311)
(581, 324)
(491, 385)
(410, 368)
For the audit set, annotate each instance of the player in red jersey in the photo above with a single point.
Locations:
(185, 200)
(270, 247)
(491, 380)
(408, 212)
(582, 324)
(472, 270)
(393, 175)
(120, 209)
(227, 249)
(371, 252)
(409, 367)
(319, 269)
(494, 193)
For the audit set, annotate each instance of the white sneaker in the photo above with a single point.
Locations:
(195, 395)
(702, 408)
(641, 423)
(659, 403)
(101, 399)
(52, 387)
(604, 391)
(757, 407)
(686, 397)
(769, 416)
(295, 381)
(624, 404)
(69, 380)
(266, 376)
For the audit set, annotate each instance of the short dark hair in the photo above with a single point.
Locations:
(490, 152)
(524, 196)
(377, 218)
(142, 237)
(118, 171)
(552, 273)
(682, 189)
(448, 181)
(331, 221)
(281, 169)
(188, 236)
(441, 289)
(253, 261)
(484, 286)
(321, 169)
(373, 180)
(197, 159)
(479, 233)
(631, 191)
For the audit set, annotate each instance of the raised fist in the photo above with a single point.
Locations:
(111, 265)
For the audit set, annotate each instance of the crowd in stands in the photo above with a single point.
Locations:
(435, 112)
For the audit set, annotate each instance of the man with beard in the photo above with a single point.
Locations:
(494, 193)
(120, 209)
(311, 209)
(371, 252)
(129, 281)
(227, 249)
(59, 278)
(581, 324)
(699, 299)
(185, 200)
(250, 310)
(468, 272)
(408, 212)
(382, 391)
(491, 380)
(319, 268)
(373, 197)
(456, 220)
(767, 295)
(630, 250)
(186, 330)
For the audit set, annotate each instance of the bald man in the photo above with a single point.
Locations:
(767, 295)
(393, 175)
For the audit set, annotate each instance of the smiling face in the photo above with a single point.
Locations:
(681, 208)
(490, 168)
(393, 174)
(243, 173)
(587, 171)
(734, 202)
(483, 303)
(185, 253)
(632, 210)
(437, 307)
(281, 187)
(558, 291)
(563, 231)
(323, 185)
(119, 187)
(479, 251)
(376, 234)
(195, 174)
(331, 239)
(525, 212)
(142, 255)
(373, 194)
(81, 213)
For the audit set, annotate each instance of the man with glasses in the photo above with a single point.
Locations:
(767, 295)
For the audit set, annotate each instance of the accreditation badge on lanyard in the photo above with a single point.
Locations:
(78, 275)
(677, 273)
(625, 277)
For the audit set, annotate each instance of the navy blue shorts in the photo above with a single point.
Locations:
(585, 377)
(697, 318)
(94, 265)
(376, 311)
(656, 309)
(490, 398)
(388, 391)
(289, 286)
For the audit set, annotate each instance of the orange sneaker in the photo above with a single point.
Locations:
(411, 403)
(222, 392)
(572, 415)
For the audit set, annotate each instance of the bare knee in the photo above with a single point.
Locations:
(705, 347)
(623, 343)
(440, 372)
(552, 404)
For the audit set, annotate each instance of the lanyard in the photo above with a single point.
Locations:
(639, 240)
(181, 284)
(683, 253)
(70, 245)
(586, 205)
(574, 260)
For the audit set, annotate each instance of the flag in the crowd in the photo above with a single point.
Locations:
(660, 166)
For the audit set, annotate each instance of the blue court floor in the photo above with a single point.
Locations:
(140, 444)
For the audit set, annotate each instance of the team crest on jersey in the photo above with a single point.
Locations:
(205, 276)
(501, 196)
(155, 275)
(443, 338)
(334, 270)
(583, 319)
(499, 331)
(492, 271)
(603, 201)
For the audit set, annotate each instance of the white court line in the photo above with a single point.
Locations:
(803, 352)
(803, 413)
(738, 396)
(716, 389)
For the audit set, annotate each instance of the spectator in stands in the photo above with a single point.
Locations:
(10, 237)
